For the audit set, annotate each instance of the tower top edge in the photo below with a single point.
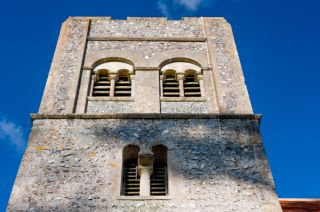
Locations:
(109, 18)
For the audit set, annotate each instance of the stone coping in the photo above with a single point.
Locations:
(116, 99)
(35, 116)
(183, 99)
(155, 39)
(143, 198)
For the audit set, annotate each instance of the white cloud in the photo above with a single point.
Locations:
(13, 133)
(163, 7)
(169, 7)
(192, 5)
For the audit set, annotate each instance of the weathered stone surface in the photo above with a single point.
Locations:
(146, 49)
(145, 27)
(232, 93)
(184, 107)
(61, 88)
(76, 164)
(110, 107)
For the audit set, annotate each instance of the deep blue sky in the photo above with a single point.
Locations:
(278, 43)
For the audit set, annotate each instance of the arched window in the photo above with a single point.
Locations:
(181, 79)
(130, 176)
(170, 84)
(191, 85)
(112, 79)
(101, 86)
(159, 177)
(123, 84)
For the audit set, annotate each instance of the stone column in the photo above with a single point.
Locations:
(161, 85)
(180, 79)
(113, 78)
(132, 78)
(201, 83)
(145, 168)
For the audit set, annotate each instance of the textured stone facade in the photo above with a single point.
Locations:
(74, 158)
(76, 164)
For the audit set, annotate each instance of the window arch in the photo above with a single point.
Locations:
(159, 177)
(130, 176)
(170, 84)
(101, 86)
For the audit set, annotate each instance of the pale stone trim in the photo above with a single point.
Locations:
(85, 89)
(143, 198)
(109, 98)
(154, 39)
(183, 99)
(165, 57)
(114, 67)
(181, 67)
(108, 55)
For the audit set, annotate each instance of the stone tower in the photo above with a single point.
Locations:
(145, 114)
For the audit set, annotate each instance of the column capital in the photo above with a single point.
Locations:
(200, 77)
(113, 76)
(180, 76)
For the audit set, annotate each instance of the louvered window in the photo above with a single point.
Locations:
(159, 180)
(101, 85)
(191, 86)
(131, 179)
(123, 85)
(170, 86)
(130, 176)
(159, 177)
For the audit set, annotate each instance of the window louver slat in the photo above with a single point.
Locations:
(159, 181)
(191, 87)
(171, 88)
(131, 181)
(122, 88)
(101, 87)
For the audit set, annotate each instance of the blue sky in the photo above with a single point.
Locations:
(278, 43)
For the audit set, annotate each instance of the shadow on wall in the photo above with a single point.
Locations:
(200, 149)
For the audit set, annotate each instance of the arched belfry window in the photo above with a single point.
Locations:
(159, 177)
(101, 86)
(170, 84)
(181, 79)
(130, 176)
(123, 84)
(113, 78)
(191, 85)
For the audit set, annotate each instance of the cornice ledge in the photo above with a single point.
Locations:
(35, 116)
(128, 38)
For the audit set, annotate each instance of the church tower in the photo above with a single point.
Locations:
(145, 114)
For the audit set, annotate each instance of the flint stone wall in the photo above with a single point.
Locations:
(147, 39)
(75, 164)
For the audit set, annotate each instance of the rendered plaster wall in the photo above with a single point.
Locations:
(208, 41)
(75, 164)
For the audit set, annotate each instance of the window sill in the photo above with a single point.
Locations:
(143, 198)
(107, 98)
(183, 99)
